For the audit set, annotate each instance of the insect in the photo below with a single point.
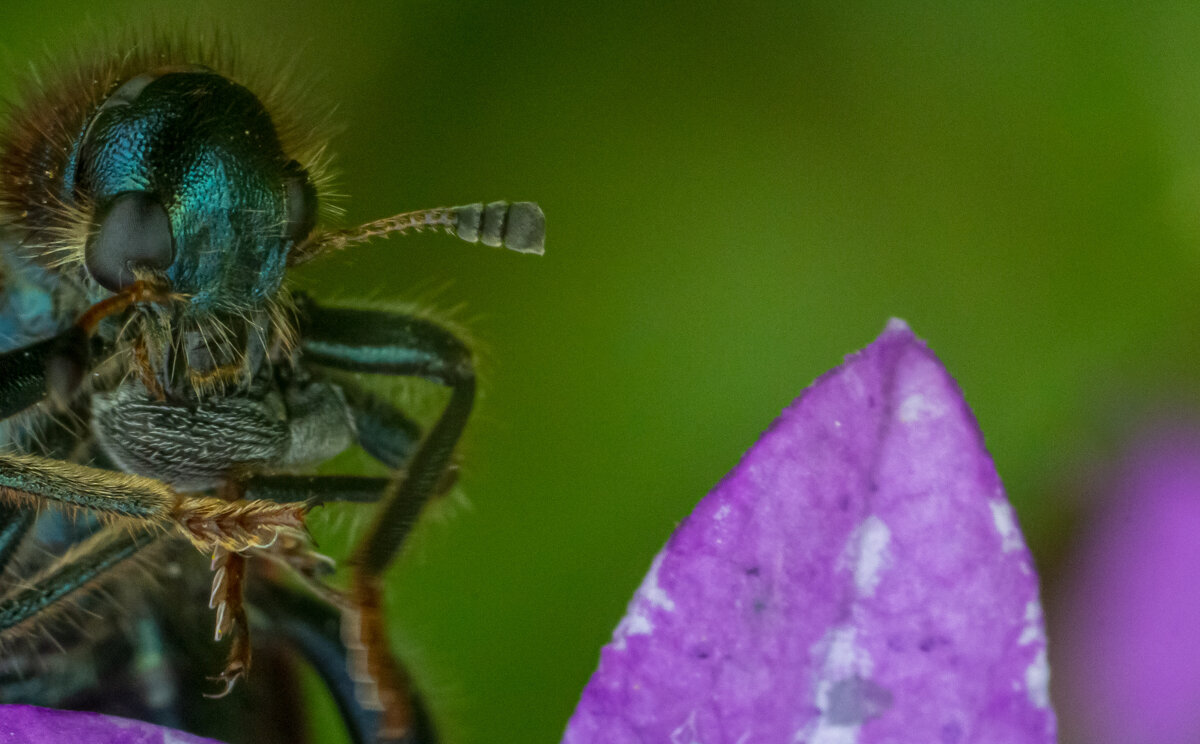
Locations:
(161, 386)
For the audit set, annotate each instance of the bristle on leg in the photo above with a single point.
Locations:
(229, 573)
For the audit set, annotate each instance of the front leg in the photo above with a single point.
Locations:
(392, 344)
(208, 522)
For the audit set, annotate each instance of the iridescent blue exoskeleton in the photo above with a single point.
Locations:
(160, 385)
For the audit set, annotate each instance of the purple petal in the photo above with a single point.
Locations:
(858, 578)
(32, 725)
(1131, 657)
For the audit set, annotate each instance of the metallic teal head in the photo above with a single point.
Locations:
(188, 179)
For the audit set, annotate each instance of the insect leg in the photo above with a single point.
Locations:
(392, 344)
(383, 431)
(77, 568)
(314, 489)
(208, 522)
(312, 627)
(229, 575)
(14, 523)
(27, 372)
(29, 480)
(212, 524)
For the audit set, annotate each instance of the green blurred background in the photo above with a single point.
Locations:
(736, 198)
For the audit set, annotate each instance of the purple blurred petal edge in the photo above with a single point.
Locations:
(858, 578)
(30, 724)
(1130, 665)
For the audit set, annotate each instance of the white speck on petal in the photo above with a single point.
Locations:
(1032, 632)
(1033, 611)
(722, 512)
(639, 625)
(916, 407)
(843, 656)
(867, 551)
(840, 658)
(650, 596)
(1006, 525)
(686, 732)
(896, 325)
(634, 623)
(1037, 680)
(828, 734)
(652, 592)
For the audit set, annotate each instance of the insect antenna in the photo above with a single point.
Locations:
(519, 226)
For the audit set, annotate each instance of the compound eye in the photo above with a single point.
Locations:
(300, 200)
(133, 231)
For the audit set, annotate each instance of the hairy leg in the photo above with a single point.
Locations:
(391, 344)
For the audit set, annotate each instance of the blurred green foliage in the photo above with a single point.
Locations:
(737, 196)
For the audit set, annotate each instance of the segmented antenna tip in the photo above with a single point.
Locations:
(520, 226)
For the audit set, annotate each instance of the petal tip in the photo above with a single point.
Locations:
(804, 598)
(896, 333)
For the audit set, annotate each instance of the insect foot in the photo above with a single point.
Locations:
(229, 572)
(213, 524)
(225, 529)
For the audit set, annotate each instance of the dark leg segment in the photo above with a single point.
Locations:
(28, 480)
(425, 474)
(76, 569)
(14, 523)
(311, 626)
(381, 343)
(24, 371)
(383, 431)
(314, 489)
(391, 344)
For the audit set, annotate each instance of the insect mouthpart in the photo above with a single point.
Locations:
(180, 356)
